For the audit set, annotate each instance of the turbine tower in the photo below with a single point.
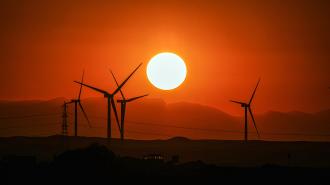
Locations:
(111, 102)
(247, 107)
(123, 102)
(76, 103)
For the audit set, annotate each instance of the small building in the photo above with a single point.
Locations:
(153, 157)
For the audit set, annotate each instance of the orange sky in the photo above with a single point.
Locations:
(227, 46)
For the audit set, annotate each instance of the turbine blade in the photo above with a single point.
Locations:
(82, 80)
(85, 115)
(254, 92)
(135, 98)
(122, 84)
(254, 123)
(238, 102)
(116, 114)
(91, 87)
(121, 92)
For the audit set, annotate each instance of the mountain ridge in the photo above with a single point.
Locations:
(156, 119)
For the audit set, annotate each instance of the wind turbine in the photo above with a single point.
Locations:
(247, 106)
(111, 102)
(76, 103)
(123, 107)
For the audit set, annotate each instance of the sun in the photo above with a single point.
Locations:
(166, 71)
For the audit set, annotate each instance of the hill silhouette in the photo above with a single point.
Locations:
(155, 119)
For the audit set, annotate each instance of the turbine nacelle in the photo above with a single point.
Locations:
(107, 95)
(74, 100)
(241, 103)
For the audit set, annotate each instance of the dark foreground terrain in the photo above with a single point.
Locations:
(63, 160)
(97, 164)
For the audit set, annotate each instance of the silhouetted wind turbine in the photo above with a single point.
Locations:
(123, 107)
(76, 103)
(247, 106)
(111, 102)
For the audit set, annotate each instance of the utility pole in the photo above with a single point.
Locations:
(65, 120)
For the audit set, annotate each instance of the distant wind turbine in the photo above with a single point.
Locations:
(76, 103)
(123, 107)
(247, 106)
(111, 102)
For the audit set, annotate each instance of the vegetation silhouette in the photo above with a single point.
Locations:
(97, 164)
